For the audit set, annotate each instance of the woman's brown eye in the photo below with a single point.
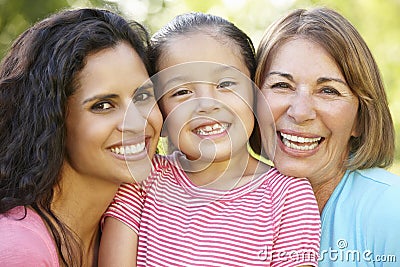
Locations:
(102, 106)
(280, 85)
(142, 97)
(330, 91)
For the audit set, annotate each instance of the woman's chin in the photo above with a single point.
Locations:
(290, 168)
(139, 171)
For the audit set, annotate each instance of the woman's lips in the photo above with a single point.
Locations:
(131, 150)
(294, 143)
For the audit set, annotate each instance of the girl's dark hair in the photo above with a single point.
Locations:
(217, 27)
(37, 77)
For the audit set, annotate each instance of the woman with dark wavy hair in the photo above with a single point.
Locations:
(78, 118)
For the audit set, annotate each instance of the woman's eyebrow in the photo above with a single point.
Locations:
(146, 85)
(329, 79)
(283, 74)
(103, 96)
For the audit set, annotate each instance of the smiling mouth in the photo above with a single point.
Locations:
(214, 129)
(129, 150)
(299, 142)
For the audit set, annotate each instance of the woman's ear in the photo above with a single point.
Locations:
(355, 130)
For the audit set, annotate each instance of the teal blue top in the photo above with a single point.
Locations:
(361, 221)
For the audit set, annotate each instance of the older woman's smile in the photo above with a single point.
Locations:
(299, 142)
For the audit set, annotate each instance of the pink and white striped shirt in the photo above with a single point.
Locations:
(271, 221)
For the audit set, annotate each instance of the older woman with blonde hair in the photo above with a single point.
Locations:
(331, 123)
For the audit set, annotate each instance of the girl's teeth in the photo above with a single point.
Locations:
(216, 126)
(301, 143)
(128, 150)
(211, 130)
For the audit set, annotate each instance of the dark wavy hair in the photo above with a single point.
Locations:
(37, 76)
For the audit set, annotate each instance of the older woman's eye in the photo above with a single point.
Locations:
(282, 85)
(330, 91)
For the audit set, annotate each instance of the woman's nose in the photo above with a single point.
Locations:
(302, 107)
(132, 120)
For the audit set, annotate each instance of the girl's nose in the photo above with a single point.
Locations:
(206, 100)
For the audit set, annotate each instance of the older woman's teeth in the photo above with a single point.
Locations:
(299, 142)
(212, 129)
(129, 150)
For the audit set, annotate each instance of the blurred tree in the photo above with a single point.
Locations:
(18, 15)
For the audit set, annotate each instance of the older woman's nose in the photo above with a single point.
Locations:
(302, 107)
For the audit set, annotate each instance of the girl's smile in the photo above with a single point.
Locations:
(207, 95)
(212, 130)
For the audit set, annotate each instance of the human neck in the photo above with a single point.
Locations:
(225, 174)
(323, 190)
(79, 203)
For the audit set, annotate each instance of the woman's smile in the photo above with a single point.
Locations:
(300, 142)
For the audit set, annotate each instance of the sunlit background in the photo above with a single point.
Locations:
(377, 20)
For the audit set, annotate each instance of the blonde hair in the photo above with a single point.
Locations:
(374, 147)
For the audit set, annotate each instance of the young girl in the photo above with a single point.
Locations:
(210, 203)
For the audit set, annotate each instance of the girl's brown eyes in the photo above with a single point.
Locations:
(225, 84)
(182, 92)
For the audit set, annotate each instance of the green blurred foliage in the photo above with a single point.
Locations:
(378, 22)
(18, 15)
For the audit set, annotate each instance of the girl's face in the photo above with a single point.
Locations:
(314, 110)
(113, 122)
(207, 97)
